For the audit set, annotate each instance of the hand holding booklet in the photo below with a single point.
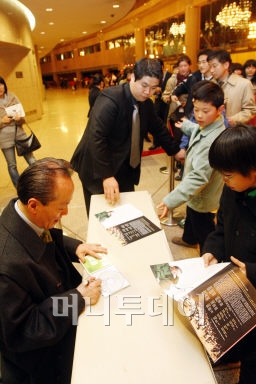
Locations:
(219, 300)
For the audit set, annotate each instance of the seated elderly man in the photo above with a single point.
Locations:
(41, 292)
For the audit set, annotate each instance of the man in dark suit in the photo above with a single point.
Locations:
(41, 292)
(102, 158)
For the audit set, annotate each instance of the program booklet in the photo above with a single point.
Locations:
(219, 301)
(15, 109)
(112, 280)
(126, 223)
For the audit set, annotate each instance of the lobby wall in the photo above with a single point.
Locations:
(19, 65)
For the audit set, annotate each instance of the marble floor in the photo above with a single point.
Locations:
(59, 131)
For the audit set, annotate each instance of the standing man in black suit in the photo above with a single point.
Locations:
(102, 158)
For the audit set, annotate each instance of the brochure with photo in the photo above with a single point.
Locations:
(219, 301)
(126, 224)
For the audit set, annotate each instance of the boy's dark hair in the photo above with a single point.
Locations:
(234, 150)
(208, 92)
(221, 55)
(148, 67)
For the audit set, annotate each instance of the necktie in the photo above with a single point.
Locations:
(135, 139)
(46, 236)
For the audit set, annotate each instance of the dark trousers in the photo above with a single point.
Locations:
(197, 227)
(245, 352)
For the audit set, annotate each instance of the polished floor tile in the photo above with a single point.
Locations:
(59, 131)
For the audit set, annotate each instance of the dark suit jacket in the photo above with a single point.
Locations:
(185, 87)
(104, 149)
(93, 94)
(32, 338)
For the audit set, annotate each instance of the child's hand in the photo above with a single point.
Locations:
(162, 210)
(239, 263)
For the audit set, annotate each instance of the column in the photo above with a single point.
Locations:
(192, 36)
(139, 34)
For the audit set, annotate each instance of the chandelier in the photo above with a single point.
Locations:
(177, 29)
(252, 31)
(235, 15)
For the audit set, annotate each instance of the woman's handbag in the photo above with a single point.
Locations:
(25, 144)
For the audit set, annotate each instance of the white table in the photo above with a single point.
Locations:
(154, 348)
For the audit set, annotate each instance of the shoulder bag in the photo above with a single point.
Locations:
(27, 144)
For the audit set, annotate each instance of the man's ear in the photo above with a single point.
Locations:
(33, 205)
(221, 109)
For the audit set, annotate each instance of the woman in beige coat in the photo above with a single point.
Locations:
(8, 124)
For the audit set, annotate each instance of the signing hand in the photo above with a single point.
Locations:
(89, 249)
(239, 263)
(111, 190)
(92, 290)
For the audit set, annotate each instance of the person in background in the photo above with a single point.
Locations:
(237, 68)
(103, 157)
(8, 132)
(95, 88)
(185, 88)
(239, 98)
(160, 106)
(250, 74)
(183, 73)
(126, 76)
(203, 73)
(201, 186)
(233, 155)
(41, 292)
(249, 69)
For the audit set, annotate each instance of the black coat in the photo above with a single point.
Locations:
(235, 233)
(32, 338)
(104, 149)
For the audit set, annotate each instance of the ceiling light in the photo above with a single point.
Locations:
(103, 22)
(51, 23)
(84, 32)
(49, 9)
(116, 5)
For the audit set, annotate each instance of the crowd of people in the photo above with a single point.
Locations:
(212, 110)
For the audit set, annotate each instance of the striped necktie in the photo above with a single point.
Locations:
(46, 236)
(135, 138)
